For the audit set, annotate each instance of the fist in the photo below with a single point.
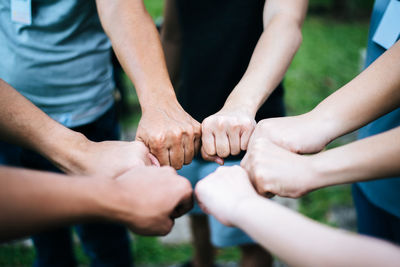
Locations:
(226, 133)
(171, 134)
(221, 192)
(148, 199)
(276, 171)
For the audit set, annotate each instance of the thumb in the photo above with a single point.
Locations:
(213, 158)
(154, 160)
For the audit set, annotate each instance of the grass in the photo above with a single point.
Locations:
(327, 59)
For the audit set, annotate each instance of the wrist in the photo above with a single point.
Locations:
(239, 214)
(248, 95)
(67, 151)
(99, 198)
(327, 171)
(242, 105)
(325, 124)
(328, 121)
(161, 99)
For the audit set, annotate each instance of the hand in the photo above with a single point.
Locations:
(108, 158)
(220, 193)
(226, 133)
(171, 134)
(302, 134)
(148, 199)
(276, 171)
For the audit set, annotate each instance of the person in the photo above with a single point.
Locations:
(23, 124)
(57, 54)
(335, 116)
(377, 201)
(298, 241)
(216, 53)
(33, 201)
(377, 94)
(126, 182)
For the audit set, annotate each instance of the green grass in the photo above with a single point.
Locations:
(154, 7)
(328, 58)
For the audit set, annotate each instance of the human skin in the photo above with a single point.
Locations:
(228, 131)
(274, 170)
(373, 93)
(229, 195)
(23, 124)
(146, 199)
(370, 95)
(171, 134)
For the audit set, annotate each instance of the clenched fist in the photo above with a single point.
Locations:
(226, 133)
(148, 199)
(171, 134)
(274, 170)
(221, 192)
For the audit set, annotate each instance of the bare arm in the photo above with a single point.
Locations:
(275, 170)
(228, 131)
(22, 123)
(228, 195)
(32, 201)
(169, 132)
(373, 93)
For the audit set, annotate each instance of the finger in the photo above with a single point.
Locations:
(176, 154)
(166, 227)
(188, 149)
(183, 207)
(154, 161)
(222, 144)
(197, 145)
(213, 158)
(244, 161)
(161, 154)
(245, 138)
(269, 195)
(234, 142)
(185, 201)
(208, 141)
(263, 189)
(202, 206)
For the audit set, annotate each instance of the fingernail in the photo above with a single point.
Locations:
(219, 161)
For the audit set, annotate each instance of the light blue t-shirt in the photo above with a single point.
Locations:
(383, 193)
(61, 62)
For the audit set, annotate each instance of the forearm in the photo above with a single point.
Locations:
(271, 58)
(370, 95)
(371, 158)
(31, 201)
(23, 124)
(137, 45)
(301, 242)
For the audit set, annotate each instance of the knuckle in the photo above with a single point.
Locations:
(223, 152)
(177, 134)
(158, 142)
(220, 124)
(166, 228)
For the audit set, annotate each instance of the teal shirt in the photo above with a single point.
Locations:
(61, 62)
(383, 193)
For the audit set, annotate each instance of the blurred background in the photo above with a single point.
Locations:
(333, 49)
